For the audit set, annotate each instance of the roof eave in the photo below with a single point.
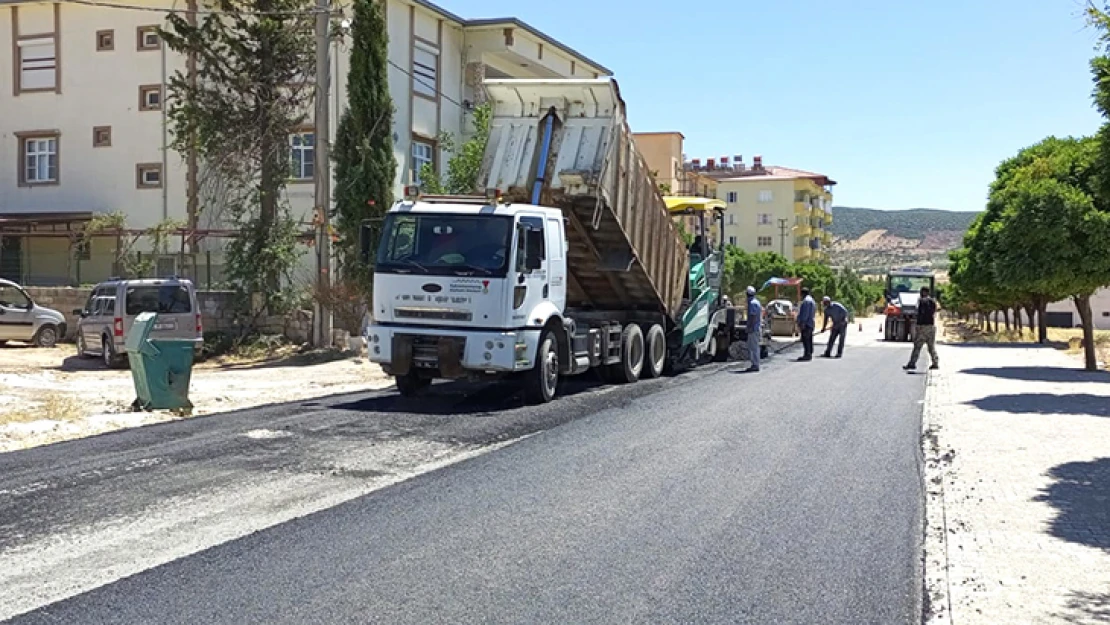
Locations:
(516, 23)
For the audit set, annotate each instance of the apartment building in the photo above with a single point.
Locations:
(772, 208)
(84, 130)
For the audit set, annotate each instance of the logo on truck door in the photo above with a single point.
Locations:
(431, 287)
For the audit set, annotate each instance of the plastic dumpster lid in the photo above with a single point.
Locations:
(140, 330)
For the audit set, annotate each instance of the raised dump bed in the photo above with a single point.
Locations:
(566, 143)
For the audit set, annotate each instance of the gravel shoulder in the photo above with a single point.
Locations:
(51, 395)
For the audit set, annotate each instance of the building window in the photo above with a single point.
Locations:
(765, 241)
(102, 136)
(1106, 313)
(148, 176)
(38, 64)
(423, 153)
(764, 219)
(38, 159)
(732, 240)
(302, 155)
(150, 97)
(766, 196)
(148, 38)
(731, 197)
(731, 219)
(105, 40)
(425, 71)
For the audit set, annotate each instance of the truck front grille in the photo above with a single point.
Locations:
(442, 314)
(425, 350)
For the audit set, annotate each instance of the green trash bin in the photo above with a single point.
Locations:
(160, 368)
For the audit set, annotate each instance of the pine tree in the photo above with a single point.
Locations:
(364, 164)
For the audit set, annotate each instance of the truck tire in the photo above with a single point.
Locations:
(410, 384)
(655, 355)
(542, 380)
(631, 365)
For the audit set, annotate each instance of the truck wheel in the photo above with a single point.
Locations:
(628, 369)
(410, 384)
(655, 358)
(540, 383)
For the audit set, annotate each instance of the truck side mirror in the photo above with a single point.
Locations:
(369, 233)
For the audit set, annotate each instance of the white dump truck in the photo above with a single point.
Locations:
(568, 262)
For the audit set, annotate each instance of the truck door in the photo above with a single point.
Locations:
(556, 262)
(530, 268)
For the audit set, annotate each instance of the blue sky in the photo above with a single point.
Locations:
(905, 104)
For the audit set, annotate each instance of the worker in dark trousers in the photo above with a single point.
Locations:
(807, 321)
(838, 314)
(925, 331)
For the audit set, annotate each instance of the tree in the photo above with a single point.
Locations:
(465, 164)
(248, 95)
(365, 167)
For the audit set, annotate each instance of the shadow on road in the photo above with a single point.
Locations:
(1046, 404)
(1080, 493)
(1047, 345)
(1041, 374)
(463, 398)
(1087, 608)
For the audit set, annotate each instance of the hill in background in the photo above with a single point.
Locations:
(872, 241)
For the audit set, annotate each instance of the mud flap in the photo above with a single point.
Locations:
(402, 355)
(449, 352)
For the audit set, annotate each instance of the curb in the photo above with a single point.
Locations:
(936, 605)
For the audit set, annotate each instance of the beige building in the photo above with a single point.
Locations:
(663, 153)
(773, 208)
(84, 130)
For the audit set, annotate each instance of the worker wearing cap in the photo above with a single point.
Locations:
(755, 328)
(838, 314)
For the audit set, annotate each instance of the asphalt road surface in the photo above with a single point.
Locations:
(789, 496)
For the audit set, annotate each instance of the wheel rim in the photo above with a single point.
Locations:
(107, 353)
(658, 352)
(550, 369)
(47, 337)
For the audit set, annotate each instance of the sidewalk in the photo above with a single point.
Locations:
(1017, 451)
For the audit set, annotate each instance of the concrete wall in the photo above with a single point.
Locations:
(216, 313)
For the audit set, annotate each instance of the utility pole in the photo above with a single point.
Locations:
(322, 319)
(782, 236)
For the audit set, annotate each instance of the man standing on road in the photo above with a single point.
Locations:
(925, 332)
(755, 328)
(807, 320)
(839, 315)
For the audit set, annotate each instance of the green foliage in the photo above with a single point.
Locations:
(127, 262)
(852, 223)
(1043, 235)
(273, 245)
(465, 164)
(249, 93)
(365, 167)
(743, 269)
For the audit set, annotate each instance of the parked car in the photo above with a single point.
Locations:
(111, 309)
(21, 319)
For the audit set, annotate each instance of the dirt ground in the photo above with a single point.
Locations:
(51, 395)
(1068, 340)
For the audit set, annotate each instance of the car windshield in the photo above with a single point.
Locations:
(162, 299)
(445, 244)
(908, 284)
(13, 297)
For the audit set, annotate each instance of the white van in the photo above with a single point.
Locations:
(21, 319)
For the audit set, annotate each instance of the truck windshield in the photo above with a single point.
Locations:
(908, 284)
(445, 244)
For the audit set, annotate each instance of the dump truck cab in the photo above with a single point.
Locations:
(478, 276)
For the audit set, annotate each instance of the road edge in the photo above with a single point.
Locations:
(936, 604)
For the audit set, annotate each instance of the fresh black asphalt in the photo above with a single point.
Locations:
(789, 496)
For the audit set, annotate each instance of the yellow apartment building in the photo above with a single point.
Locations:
(773, 208)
